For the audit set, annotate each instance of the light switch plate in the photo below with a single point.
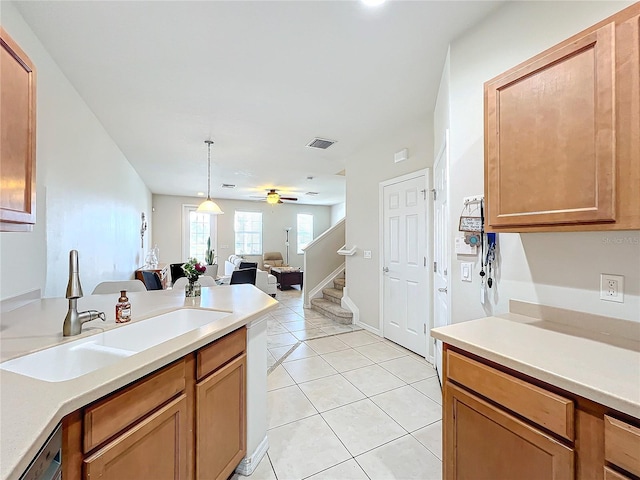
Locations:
(367, 254)
(466, 271)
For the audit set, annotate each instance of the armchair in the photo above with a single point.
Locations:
(272, 259)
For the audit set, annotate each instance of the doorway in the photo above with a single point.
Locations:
(405, 280)
(441, 249)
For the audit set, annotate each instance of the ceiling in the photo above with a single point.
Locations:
(259, 78)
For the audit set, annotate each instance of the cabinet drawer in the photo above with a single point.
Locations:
(622, 444)
(612, 475)
(551, 411)
(221, 351)
(107, 417)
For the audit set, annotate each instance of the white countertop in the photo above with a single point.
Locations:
(30, 409)
(596, 365)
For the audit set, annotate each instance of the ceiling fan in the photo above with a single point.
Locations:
(274, 197)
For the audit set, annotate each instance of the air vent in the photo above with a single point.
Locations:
(311, 193)
(228, 185)
(321, 143)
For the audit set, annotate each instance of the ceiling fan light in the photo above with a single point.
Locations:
(273, 198)
(210, 207)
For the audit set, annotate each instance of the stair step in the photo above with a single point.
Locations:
(339, 282)
(333, 311)
(333, 294)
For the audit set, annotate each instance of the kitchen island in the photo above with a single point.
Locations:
(557, 391)
(30, 409)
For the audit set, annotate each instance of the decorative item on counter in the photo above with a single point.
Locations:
(210, 254)
(192, 270)
(123, 308)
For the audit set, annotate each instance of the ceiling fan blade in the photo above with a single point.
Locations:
(289, 198)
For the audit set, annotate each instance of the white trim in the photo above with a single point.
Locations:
(326, 232)
(427, 253)
(317, 291)
(369, 328)
(444, 152)
(249, 463)
(349, 304)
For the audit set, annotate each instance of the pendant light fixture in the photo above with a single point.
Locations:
(209, 206)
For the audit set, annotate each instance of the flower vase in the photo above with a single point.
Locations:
(192, 289)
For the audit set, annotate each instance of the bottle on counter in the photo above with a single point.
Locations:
(123, 308)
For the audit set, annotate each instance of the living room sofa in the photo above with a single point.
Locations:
(264, 281)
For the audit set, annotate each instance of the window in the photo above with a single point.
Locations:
(197, 228)
(305, 230)
(248, 228)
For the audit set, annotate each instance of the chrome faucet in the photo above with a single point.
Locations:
(73, 321)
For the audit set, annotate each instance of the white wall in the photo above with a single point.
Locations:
(338, 212)
(89, 198)
(167, 226)
(558, 269)
(365, 170)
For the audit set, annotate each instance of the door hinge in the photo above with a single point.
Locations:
(425, 261)
(435, 267)
(425, 327)
(435, 194)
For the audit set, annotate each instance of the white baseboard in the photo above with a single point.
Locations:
(251, 462)
(369, 328)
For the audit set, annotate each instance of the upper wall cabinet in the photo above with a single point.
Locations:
(562, 134)
(18, 137)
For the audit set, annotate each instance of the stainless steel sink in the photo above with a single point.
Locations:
(73, 359)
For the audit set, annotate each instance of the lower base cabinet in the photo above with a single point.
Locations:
(488, 443)
(500, 424)
(220, 421)
(161, 437)
(185, 421)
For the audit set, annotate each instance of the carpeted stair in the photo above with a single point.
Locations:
(329, 304)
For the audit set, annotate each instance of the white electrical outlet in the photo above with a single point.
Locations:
(612, 288)
(367, 254)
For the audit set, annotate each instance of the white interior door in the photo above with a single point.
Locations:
(404, 281)
(441, 252)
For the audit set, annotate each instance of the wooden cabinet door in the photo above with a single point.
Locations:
(155, 449)
(17, 137)
(221, 438)
(482, 441)
(550, 151)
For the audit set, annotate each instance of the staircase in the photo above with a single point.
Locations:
(329, 304)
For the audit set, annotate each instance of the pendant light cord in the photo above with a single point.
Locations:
(209, 143)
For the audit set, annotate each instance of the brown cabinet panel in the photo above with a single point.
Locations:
(154, 449)
(221, 421)
(213, 356)
(562, 134)
(613, 475)
(483, 441)
(545, 408)
(622, 444)
(111, 415)
(18, 137)
(551, 137)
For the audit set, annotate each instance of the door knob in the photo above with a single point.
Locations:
(443, 290)
(385, 269)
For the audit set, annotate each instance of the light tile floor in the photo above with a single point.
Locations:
(347, 406)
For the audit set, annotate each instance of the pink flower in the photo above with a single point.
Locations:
(200, 268)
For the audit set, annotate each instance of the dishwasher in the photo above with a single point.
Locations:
(48, 462)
